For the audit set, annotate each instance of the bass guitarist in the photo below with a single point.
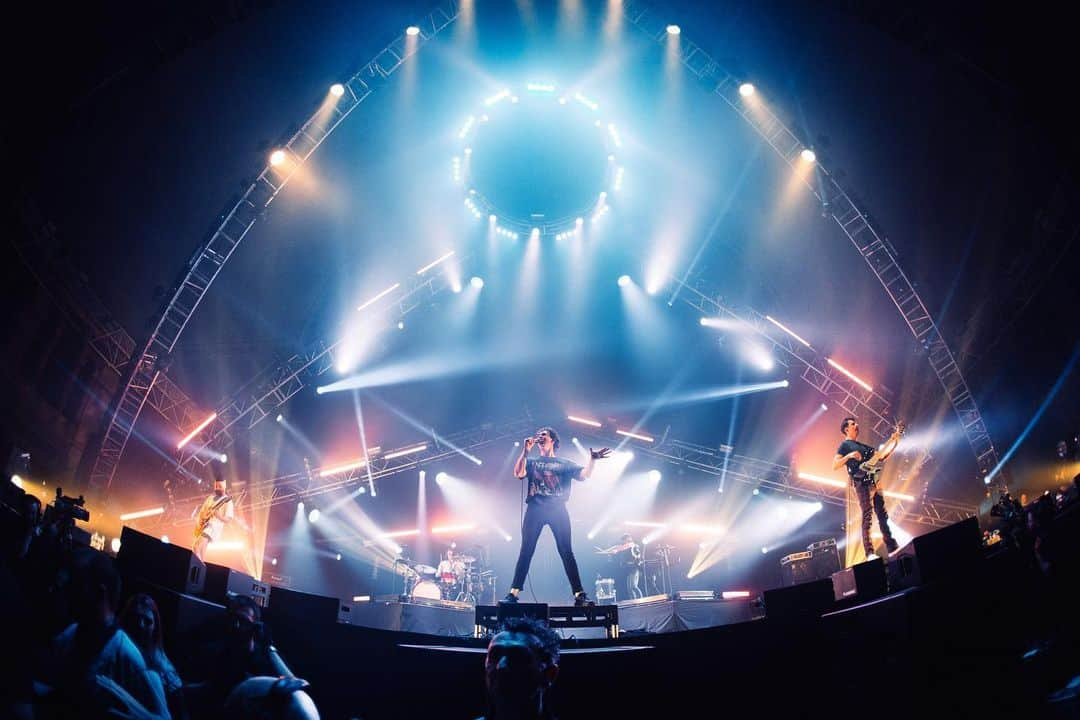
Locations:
(863, 466)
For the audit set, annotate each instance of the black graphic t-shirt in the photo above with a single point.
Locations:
(549, 478)
(853, 465)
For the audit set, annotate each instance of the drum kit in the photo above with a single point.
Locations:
(460, 580)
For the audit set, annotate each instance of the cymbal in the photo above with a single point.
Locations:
(465, 558)
(424, 569)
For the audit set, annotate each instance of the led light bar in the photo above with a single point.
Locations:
(850, 374)
(733, 594)
(452, 528)
(636, 436)
(823, 480)
(427, 267)
(583, 421)
(142, 513)
(400, 533)
(384, 293)
(196, 431)
(789, 331)
(407, 451)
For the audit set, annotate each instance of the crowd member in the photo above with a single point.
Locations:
(141, 620)
(97, 669)
(521, 665)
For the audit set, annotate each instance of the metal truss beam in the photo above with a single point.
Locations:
(852, 219)
(308, 484)
(147, 364)
(106, 337)
(724, 463)
(261, 398)
(832, 384)
(720, 462)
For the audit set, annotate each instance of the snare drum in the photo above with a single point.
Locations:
(428, 590)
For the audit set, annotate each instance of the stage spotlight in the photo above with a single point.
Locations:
(756, 491)
(746, 89)
(455, 287)
(808, 155)
(273, 561)
(115, 545)
(280, 417)
(313, 516)
(165, 539)
(824, 406)
(440, 478)
(17, 481)
(654, 475)
(493, 218)
(764, 550)
(277, 157)
(477, 282)
(673, 30)
(624, 280)
(986, 480)
(337, 89)
(338, 556)
(412, 30)
(300, 507)
(223, 458)
(401, 325)
(574, 440)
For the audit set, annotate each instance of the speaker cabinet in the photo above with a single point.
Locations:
(300, 607)
(861, 582)
(797, 568)
(946, 554)
(221, 582)
(798, 602)
(169, 566)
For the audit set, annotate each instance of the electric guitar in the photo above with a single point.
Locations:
(876, 462)
(203, 521)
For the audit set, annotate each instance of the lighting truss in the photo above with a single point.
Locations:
(144, 371)
(261, 398)
(719, 461)
(107, 337)
(853, 220)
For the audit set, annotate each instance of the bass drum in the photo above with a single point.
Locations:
(428, 590)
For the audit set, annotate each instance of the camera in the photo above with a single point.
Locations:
(65, 507)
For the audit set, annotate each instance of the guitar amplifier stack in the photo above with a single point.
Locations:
(818, 562)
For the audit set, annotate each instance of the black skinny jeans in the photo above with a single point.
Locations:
(537, 515)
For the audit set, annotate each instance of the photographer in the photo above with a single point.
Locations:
(234, 647)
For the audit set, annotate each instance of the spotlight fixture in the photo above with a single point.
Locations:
(624, 280)
(808, 155)
(337, 89)
(277, 157)
(273, 561)
(412, 30)
(673, 30)
(477, 282)
(313, 516)
(746, 89)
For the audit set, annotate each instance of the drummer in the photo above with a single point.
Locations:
(450, 569)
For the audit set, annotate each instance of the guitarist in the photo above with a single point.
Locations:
(852, 453)
(216, 511)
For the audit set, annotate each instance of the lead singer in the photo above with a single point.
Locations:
(549, 480)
